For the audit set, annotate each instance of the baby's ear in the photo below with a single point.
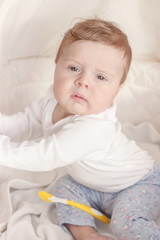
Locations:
(121, 85)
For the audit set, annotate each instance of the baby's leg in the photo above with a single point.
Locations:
(134, 212)
(84, 233)
(73, 220)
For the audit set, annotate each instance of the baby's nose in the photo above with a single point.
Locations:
(82, 82)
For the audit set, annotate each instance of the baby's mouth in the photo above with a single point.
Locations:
(78, 98)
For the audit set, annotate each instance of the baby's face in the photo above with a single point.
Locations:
(87, 77)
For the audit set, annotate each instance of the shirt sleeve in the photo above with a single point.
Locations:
(24, 125)
(73, 142)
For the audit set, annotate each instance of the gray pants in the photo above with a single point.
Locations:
(132, 210)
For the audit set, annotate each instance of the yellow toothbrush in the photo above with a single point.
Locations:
(94, 212)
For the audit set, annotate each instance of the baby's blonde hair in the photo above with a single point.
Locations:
(99, 30)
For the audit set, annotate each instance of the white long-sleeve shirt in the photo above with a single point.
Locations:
(91, 147)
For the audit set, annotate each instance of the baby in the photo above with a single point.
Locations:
(74, 126)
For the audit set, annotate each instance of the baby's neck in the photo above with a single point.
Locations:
(58, 114)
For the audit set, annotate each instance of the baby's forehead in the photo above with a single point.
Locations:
(95, 45)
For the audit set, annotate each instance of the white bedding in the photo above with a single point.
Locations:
(26, 75)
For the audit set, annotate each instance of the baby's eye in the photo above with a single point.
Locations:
(102, 78)
(74, 69)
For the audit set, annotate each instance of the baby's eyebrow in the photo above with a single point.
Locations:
(71, 60)
(100, 71)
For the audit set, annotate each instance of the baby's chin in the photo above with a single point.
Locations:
(81, 110)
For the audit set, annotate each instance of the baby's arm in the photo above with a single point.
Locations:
(73, 142)
(23, 125)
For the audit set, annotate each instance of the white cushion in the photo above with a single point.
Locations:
(139, 99)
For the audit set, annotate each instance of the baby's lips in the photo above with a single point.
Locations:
(79, 97)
